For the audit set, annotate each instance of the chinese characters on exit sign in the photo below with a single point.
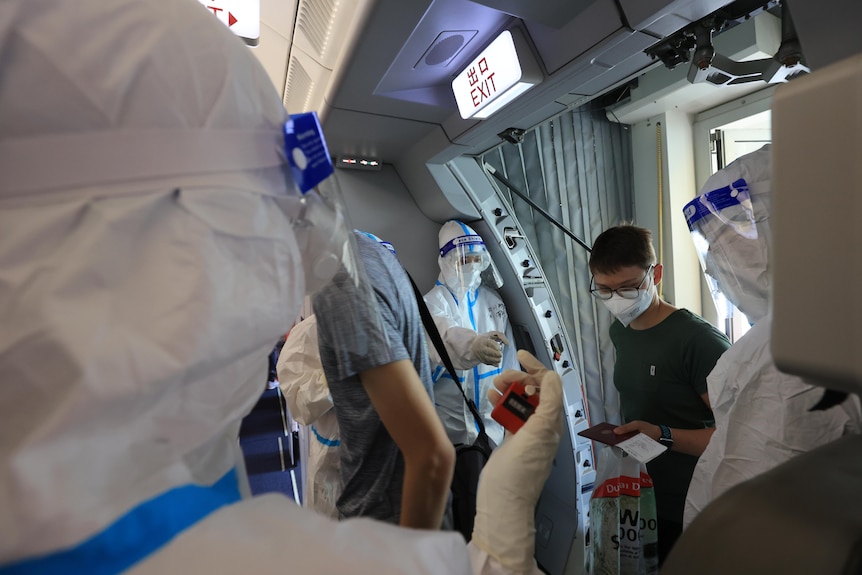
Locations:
(499, 74)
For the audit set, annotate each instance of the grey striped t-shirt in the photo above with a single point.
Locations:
(354, 337)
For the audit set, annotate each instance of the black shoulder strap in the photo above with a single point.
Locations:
(434, 334)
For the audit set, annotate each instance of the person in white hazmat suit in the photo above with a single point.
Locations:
(148, 226)
(474, 325)
(300, 375)
(763, 416)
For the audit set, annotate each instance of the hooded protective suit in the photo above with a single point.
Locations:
(300, 375)
(147, 229)
(143, 234)
(468, 315)
(762, 416)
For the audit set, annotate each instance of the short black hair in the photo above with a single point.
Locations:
(622, 246)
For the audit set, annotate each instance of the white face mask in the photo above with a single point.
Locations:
(627, 310)
(461, 277)
(471, 275)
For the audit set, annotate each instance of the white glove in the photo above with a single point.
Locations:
(512, 480)
(486, 347)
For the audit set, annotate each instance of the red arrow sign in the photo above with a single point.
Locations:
(230, 19)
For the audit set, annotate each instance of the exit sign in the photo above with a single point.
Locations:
(241, 16)
(499, 74)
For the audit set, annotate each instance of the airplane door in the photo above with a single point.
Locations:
(562, 512)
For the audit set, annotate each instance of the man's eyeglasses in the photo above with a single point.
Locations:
(623, 292)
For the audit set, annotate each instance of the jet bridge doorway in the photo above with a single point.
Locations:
(574, 169)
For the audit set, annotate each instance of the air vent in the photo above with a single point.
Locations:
(314, 20)
(298, 87)
(323, 29)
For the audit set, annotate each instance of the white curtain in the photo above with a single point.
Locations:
(577, 167)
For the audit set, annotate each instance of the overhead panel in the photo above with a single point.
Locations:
(446, 38)
(376, 133)
(662, 18)
(618, 58)
(551, 13)
(562, 45)
(322, 31)
(662, 89)
(445, 47)
(602, 47)
(566, 53)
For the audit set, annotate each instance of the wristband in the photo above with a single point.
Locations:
(666, 436)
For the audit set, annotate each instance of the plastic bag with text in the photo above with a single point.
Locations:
(623, 530)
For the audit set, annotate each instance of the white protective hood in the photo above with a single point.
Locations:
(145, 268)
(730, 226)
(456, 240)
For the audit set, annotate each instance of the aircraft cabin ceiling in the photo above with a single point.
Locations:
(379, 72)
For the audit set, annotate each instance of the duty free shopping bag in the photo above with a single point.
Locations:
(623, 522)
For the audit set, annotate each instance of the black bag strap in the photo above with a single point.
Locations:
(434, 334)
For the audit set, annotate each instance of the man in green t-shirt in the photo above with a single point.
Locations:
(663, 355)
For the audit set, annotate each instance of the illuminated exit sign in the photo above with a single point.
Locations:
(502, 72)
(241, 16)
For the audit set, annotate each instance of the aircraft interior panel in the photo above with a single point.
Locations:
(661, 18)
(305, 81)
(562, 511)
(379, 73)
(375, 131)
(816, 163)
(378, 202)
(590, 52)
(393, 102)
(437, 142)
(565, 41)
(549, 13)
(828, 31)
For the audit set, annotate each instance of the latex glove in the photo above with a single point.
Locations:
(512, 480)
(486, 347)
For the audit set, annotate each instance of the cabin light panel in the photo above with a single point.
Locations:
(358, 163)
(499, 74)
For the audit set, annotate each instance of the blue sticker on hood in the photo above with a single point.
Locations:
(306, 151)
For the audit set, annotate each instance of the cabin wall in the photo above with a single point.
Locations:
(380, 203)
(665, 141)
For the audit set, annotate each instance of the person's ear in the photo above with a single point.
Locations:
(657, 272)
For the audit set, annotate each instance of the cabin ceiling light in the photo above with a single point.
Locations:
(499, 74)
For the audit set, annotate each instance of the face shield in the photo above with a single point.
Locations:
(463, 257)
(336, 279)
(317, 213)
(729, 237)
